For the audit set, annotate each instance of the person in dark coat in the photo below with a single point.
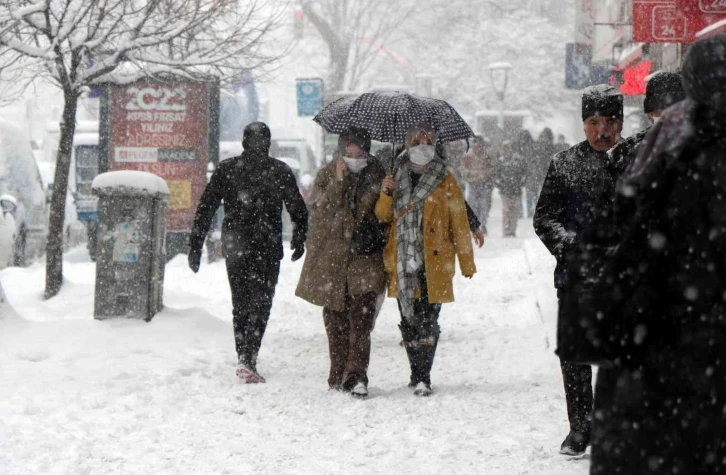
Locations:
(544, 151)
(615, 205)
(253, 188)
(511, 172)
(526, 149)
(660, 407)
(343, 270)
(662, 91)
(563, 209)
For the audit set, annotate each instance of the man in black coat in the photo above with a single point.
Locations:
(615, 206)
(563, 209)
(253, 188)
(660, 407)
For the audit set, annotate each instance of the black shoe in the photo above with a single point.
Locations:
(575, 443)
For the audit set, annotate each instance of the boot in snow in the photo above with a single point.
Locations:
(575, 443)
(360, 390)
(422, 390)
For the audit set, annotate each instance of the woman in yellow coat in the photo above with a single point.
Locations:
(429, 227)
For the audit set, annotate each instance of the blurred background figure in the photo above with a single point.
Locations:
(510, 180)
(544, 150)
(561, 144)
(526, 151)
(478, 169)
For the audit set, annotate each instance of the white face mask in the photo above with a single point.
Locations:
(355, 165)
(422, 154)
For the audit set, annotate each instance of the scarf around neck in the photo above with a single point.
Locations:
(408, 207)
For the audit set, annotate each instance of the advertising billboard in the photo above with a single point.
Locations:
(674, 21)
(165, 128)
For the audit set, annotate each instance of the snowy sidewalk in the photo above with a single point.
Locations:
(87, 397)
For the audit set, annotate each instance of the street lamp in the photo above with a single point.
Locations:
(499, 75)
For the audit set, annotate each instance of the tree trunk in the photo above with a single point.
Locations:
(337, 69)
(54, 246)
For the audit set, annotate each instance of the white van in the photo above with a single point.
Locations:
(23, 196)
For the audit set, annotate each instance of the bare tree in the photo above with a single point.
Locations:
(81, 43)
(356, 32)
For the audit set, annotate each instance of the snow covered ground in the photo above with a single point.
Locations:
(81, 396)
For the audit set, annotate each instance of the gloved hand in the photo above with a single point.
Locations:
(195, 257)
(298, 249)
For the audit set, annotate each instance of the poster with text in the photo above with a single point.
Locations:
(162, 128)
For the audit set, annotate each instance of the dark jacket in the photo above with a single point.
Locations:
(253, 188)
(331, 270)
(663, 297)
(579, 179)
(511, 173)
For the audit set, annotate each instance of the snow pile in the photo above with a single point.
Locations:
(130, 181)
(130, 397)
(6, 311)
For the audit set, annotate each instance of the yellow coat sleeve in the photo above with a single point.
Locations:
(459, 229)
(384, 208)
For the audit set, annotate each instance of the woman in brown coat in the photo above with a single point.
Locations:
(344, 275)
(429, 229)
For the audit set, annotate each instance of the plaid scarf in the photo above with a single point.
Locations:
(409, 210)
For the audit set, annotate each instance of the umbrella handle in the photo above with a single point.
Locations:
(392, 170)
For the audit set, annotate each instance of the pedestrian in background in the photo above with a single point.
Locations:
(544, 151)
(343, 270)
(478, 169)
(429, 229)
(511, 171)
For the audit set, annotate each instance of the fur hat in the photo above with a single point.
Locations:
(602, 100)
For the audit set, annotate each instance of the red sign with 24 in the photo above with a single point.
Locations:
(674, 21)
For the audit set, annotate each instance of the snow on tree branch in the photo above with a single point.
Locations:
(79, 43)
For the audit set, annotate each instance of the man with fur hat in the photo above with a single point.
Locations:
(615, 204)
(563, 210)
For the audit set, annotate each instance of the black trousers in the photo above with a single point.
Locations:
(421, 334)
(577, 379)
(252, 281)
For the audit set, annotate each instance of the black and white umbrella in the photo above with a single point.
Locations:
(388, 115)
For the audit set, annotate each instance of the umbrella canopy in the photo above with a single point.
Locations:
(388, 115)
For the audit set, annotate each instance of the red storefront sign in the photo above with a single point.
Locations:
(162, 128)
(634, 78)
(674, 21)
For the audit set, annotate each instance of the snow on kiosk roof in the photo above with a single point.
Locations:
(130, 181)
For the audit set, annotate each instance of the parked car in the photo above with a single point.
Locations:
(7, 237)
(22, 193)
